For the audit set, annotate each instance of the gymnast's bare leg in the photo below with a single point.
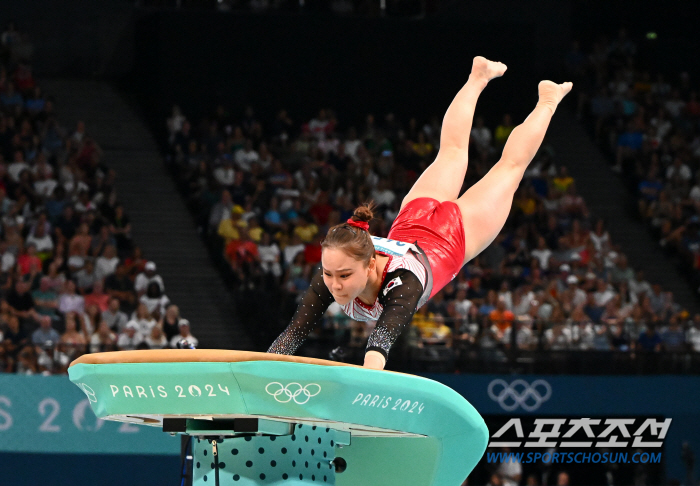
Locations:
(443, 179)
(485, 205)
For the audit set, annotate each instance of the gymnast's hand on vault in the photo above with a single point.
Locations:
(374, 360)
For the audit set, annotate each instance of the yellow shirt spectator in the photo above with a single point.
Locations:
(256, 234)
(306, 232)
(228, 229)
(425, 322)
(422, 149)
(282, 239)
(527, 205)
(503, 131)
(562, 183)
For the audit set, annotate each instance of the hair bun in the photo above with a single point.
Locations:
(364, 213)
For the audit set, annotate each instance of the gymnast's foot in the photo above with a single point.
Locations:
(486, 70)
(551, 93)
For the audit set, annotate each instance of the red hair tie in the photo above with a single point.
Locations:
(358, 224)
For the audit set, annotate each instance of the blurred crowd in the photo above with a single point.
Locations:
(267, 191)
(649, 125)
(71, 279)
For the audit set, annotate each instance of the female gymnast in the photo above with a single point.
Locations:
(435, 233)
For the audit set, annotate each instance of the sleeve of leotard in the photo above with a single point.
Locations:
(400, 302)
(309, 313)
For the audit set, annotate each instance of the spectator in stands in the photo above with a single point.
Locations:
(21, 302)
(145, 320)
(489, 304)
(247, 156)
(542, 253)
(80, 243)
(558, 337)
(130, 338)
(692, 336)
(155, 300)
(563, 479)
(313, 250)
(524, 337)
(592, 309)
(14, 337)
(503, 131)
(103, 339)
(170, 322)
(106, 263)
(510, 471)
(115, 318)
(156, 339)
(90, 319)
(601, 337)
(658, 300)
(42, 242)
(69, 301)
(306, 229)
(56, 278)
(255, 231)
(184, 333)
(649, 340)
(273, 218)
(75, 341)
(293, 249)
(97, 297)
(673, 337)
(119, 286)
(244, 258)
(639, 286)
(224, 174)
(481, 138)
(229, 228)
(148, 276)
(27, 363)
(46, 336)
(270, 258)
(120, 227)
(501, 317)
(103, 239)
(85, 278)
(619, 339)
(46, 299)
(221, 211)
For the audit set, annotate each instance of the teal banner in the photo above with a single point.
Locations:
(50, 414)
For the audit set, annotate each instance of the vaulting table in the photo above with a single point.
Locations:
(259, 418)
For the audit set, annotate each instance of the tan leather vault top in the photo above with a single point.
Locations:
(194, 356)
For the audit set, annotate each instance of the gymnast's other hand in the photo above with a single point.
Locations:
(374, 360)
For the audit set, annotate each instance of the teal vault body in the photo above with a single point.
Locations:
(388, 428)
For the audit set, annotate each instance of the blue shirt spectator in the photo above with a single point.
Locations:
(273, 217)
(673, 337)
(649, 340)
(45, 335)
(631, 140)
(650, 189)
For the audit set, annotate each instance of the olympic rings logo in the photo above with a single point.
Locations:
(519, 393)
(292, 391)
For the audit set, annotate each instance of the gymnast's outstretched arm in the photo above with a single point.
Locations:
(309, 313)
(399, 303)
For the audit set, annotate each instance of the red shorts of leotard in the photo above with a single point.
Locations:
(439, 231)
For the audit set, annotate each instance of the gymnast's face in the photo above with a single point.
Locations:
(344, 276)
